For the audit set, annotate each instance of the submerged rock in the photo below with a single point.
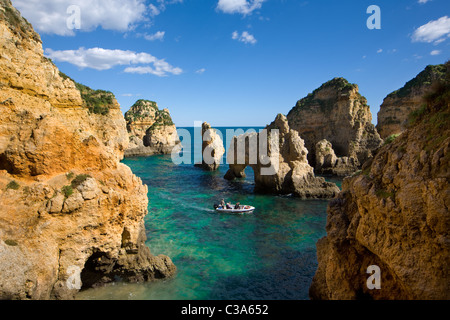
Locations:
(280, 164)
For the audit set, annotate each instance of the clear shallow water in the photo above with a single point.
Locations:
(269, 254)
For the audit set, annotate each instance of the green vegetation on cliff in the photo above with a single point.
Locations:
(141, 109)
(436, 111)
(145, 103)
(18, 24)
(97, 101)
(340, 85)
(429, 75)
(162, 119)
(13, 185)
(146, 108)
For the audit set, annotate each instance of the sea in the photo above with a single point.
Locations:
(269, 254)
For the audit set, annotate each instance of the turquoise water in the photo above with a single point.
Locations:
(269, 254)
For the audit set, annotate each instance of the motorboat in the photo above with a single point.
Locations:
(234, 209)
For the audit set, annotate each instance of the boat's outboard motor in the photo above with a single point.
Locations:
(216, 206)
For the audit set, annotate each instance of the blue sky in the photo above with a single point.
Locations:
(238, 62)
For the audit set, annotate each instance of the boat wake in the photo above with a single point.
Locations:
(186, 205)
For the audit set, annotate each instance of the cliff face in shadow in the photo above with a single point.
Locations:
(71, 215)
(394, 214)
(398, 105)
(338, 113)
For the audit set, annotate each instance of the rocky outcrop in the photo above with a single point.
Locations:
(328, 163)
(212, 149)
(394, 214)
(279, 162)
(338, 113)
(398, 105)
(151, 130)
(71, 215)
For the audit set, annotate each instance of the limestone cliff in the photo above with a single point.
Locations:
(151, 130)
(328, 163)
(394, 214)
(398, 105)
(71, 214)
(338, 113)
(281, 167)
(212, 148)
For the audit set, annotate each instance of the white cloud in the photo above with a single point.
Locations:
(435, 52)
(200, 71)
(423, 1)
(245, 37)
(379, 50)
(104, 59)
(154, 10)
(161, 6)
(49, 16)
(434, 31)
(159, 71)
(159, 35)
(244, 7)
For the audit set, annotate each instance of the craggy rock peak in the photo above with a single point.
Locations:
(212, 147)
(338, 113)
(394, 214)
(288, 171)
(398, 105)
(71, 214)
(151, 130)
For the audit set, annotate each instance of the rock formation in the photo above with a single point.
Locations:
(338, 113)
(280, 167)
(394, 214)
(398, 105)
(212, 148)
(328, 163)
(71, 215)
(151, 130)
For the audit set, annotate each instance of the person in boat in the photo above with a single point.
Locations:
(237, 206)
(222, 203)
(229, 205)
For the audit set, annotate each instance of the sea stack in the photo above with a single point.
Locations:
(338, 113)
(151, 130)
(394, 215)
(280, 169)
(212, 148)
(398, 105)
(71, 215)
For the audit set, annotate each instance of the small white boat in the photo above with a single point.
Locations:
(241, 209)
